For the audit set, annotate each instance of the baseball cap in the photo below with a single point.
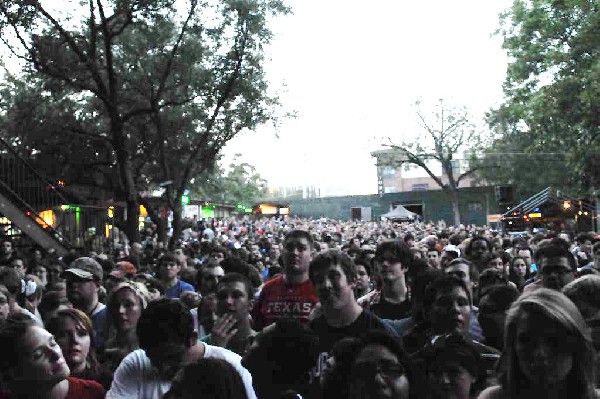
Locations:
(452, 248)
(84, 267)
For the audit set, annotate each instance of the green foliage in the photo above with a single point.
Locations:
(240, 184)
(552, 87)
(149, 90)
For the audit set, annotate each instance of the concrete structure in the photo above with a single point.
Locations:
(410, 177)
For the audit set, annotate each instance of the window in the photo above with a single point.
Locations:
(420, 187)
(389, 171)
(388, 190)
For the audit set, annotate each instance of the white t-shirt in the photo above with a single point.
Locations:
(135, 377)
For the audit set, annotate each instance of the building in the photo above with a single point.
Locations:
(393, 176)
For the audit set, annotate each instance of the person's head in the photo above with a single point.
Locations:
(393, 259)
(51, 303)
(208, 277)
(268, 358)
(74, 332)
(374, 366)
(449, 253)
(464, 270)
(4, 306)
(169, 266)
(433, 256)
(209, 378)
(447, 305)
(478, 248)
(363, 276)
(596, 255)
(527, 254)
(6, 247)
(546, 343)
(41, 273)
(453, 367)
(556, 265)
(31, 359)
(409, 240)
(19, 265)
(126, 303)
(491, 278)
(298, 251)
(235, 296)
(493, 305)
(585, 294)
(495, 261)
(333, 274)
(191, 299)
(165, 332)
(518, 266)
(83, 281)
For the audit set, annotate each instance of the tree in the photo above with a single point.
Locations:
(449, 138)
(241, 183)
(163, 89)
(552, 86)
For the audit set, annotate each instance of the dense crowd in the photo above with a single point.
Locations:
(304, 308)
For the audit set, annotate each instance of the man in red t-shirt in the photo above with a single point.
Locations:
(292, 293)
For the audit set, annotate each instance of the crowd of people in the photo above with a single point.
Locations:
(304, 308)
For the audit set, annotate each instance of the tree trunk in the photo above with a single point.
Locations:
(156, 217)
(177, 224)
(453, 194)
(127, 180)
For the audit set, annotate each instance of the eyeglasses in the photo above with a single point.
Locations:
(388, 369)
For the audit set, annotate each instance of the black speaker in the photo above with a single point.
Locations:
(505, 194)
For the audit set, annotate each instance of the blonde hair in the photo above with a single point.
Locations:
(561, 310)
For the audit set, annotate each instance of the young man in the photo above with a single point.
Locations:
(233, 330)
(292, 293)
(207, 279)
(393, 259)
(169, 267)
(168, 342)
(84, 277)
(334, 275)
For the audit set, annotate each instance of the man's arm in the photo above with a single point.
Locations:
(126, 379)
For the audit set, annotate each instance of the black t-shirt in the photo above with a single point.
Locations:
(392, 311)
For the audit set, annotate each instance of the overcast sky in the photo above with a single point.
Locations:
(351, 70)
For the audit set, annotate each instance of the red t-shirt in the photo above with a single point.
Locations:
(280, 299)
(78, 389)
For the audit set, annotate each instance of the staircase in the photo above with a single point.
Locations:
(25, 195)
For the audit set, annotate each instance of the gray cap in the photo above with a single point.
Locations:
(85, 267)
(452, 248)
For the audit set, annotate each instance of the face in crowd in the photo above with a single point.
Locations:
(74, 339)
(334, 289)
(363, 280)
(450, 311)
(378, 373)
(297, 254)
(556, 272)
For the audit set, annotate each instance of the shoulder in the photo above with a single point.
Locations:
(494, 392)
(84, 389)
(211, 351)
(274, 282)
(186, 286)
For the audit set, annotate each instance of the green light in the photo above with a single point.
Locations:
(248, 210)
(185, 199)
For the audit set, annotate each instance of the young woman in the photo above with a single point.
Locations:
(518, 272)
(75, 334)
(548, 351)
(125, 306)
(32, 364)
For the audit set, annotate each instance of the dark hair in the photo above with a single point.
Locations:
(10, 279)
(363, 263)
(238, 278)
(473, 271)
(165, 320)
(12, 331)
(333, 257)
(459, 349)
(469, 247)
(269, 359)
(169, 257)
(555, 251)
(54, 327)
(489, 278)
(394, 251)
(502, 295)
(294, 234)
(209, 378)
(443, 284)
(339, 379)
